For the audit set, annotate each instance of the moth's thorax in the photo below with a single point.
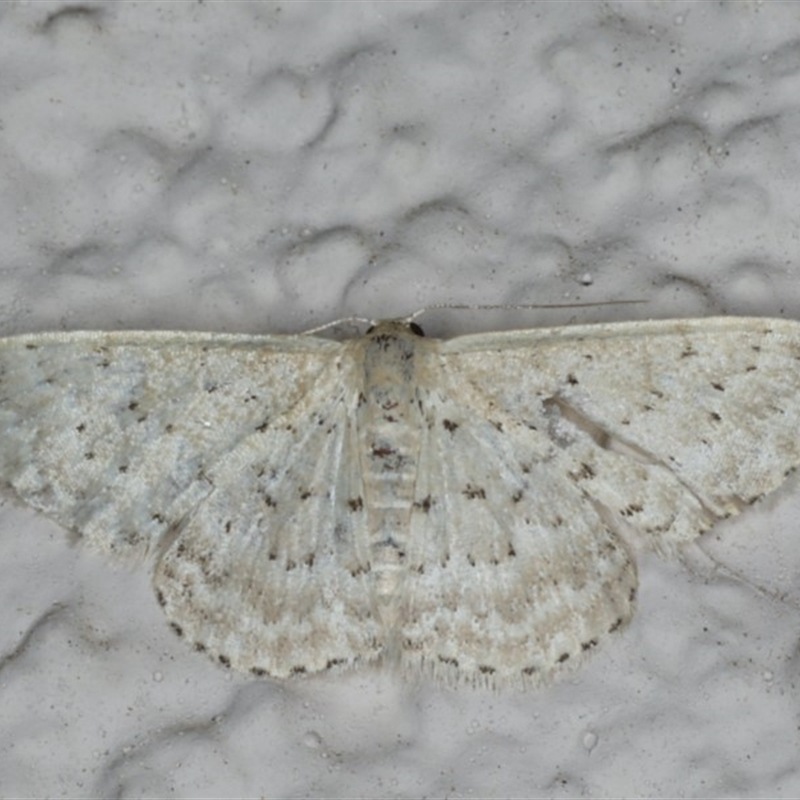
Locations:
(389, 425)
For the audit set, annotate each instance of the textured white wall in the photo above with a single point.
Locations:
(268, 167)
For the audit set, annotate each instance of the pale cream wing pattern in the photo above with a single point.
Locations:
(271, 575)
(658, 428)
(157, 443)
(513, 573)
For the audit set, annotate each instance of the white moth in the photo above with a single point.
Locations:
(452, 508)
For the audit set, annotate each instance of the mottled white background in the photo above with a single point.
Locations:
(267, 167)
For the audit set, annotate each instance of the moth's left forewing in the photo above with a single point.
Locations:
(670, 424)
(113, 435)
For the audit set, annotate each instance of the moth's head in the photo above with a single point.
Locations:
(394, 327)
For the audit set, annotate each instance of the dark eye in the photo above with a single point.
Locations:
(416, 329)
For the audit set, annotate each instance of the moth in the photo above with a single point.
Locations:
(457, 508)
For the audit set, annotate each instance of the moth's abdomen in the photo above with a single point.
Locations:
(388, 420)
